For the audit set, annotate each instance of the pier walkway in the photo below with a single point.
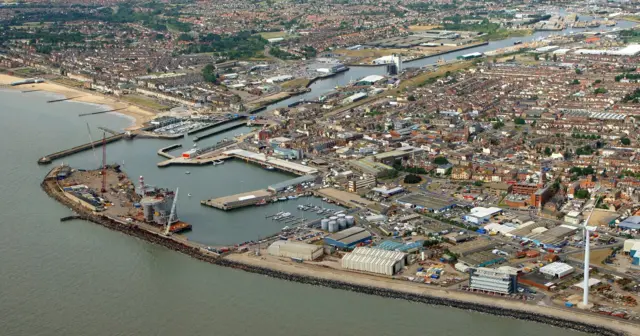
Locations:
(163, 151)
(49, 158)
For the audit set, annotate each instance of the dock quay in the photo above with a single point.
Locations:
(238, 200)
(181, 161)
(77, 149)
(218, 131)
(163, 151)
(212, 125)
(257, 158)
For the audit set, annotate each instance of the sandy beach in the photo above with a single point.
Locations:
(317, 271)
(140, 115)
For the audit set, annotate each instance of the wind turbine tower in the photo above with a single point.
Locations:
(585, 293)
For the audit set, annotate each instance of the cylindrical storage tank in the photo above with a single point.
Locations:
(333, 226)
(324, 224)
(342, 223)
(333, 218)
(350, 221)
(147, 209)
(341, 215)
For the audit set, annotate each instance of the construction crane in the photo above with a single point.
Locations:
(104, 162)
(173, 217)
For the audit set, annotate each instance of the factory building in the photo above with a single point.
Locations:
(481, 215)
(493, 280)
(296, 250)
(629, 245)
(378, 261)
(362, 183)
(348, 238)
(557, 270)
(631, 223)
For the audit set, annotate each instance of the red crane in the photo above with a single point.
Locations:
(104, 163)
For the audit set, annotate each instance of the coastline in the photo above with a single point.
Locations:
(362, 283)
(137, 115)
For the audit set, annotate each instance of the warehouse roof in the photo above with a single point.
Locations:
(556, 268)
(346, 233)
(484, 212)
(632, 223)
(371, 79)
(377, 253)
(295, 247)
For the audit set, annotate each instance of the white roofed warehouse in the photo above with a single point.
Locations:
(289, 249)
(557, 270)
(378, 261)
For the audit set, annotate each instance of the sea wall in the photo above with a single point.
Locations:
(51, 189)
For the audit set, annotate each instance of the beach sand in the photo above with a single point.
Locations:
(308, 269)
(140, 115)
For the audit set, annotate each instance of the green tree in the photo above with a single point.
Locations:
(208, 72)
(412, 179)
(578, 71)
(498, 125)
(575, 82)
(519, 121)
(625, 141)
(582, 194)
(440, 160)
(547, 151)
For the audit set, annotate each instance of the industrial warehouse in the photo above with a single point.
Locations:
(370, 260)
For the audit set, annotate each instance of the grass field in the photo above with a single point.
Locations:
(634, 18)
(145, 102)
(419, 28)
(69, 82)
(415, 81)
(595, 257)
(295, 83)
(270, 35)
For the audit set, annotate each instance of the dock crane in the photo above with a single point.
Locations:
(173, 217)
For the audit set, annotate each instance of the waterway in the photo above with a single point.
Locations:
(78, 278)
(356, 72)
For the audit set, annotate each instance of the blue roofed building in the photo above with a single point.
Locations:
(390, 245)
(631, 223)
(349, 238)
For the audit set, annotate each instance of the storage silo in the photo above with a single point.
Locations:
(341, 215)
(350, 221)
(342, 223)
(324, 224)
(333, 226)
(333, 218)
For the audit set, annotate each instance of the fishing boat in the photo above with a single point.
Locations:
(292, 197)
(187, 172)
(262, 202)
(282, 198)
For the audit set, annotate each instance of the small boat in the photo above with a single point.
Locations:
(320, 212)
(195, 145)
(187, 172)
(217, 162)
(292, 197)
(268, 167)
(517, 42)
(282, 198)
(189, 195)
(262, 202)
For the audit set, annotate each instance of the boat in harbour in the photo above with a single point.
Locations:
(292, 197)
(262, 202)
(268, 167)
(187, 172)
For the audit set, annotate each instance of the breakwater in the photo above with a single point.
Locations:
(77, 149)
(192, 250)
